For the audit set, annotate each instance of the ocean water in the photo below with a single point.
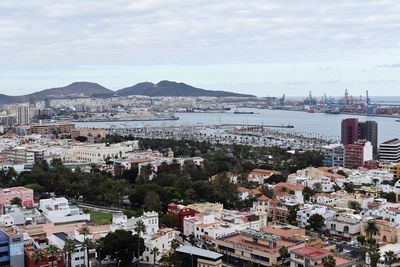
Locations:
(324, 125)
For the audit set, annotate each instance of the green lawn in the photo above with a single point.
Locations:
(99, 217)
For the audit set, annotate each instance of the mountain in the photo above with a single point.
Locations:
(6, 99)
(76, 89)
(168, 88)
(88, 89)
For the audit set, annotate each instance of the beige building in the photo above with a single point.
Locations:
(93, 135)
(53, 128)
(388, 232)
(206, 207)
(98, 153)
(253, 248)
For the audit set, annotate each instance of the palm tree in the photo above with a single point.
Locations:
(139, 229)
(329, 261)
(85, 231)
(374, 255)
(167, 260)
(99, 245)
(371, 229)
(69, 248)
(284, 253)
(155, 251)
(38, 256)
(87, 244)
(390, 258)
(175, 244)
(51, 252)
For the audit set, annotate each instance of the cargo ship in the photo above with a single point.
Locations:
(243, 112)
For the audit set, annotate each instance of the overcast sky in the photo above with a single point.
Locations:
(261, 47)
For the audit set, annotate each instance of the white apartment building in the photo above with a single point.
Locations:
(334, 155)
(121, 221)
(324, 199)
(162, 240)
(78, 257)
(23, 114)
(99, 153)
(389, 151)
(346, 225)
(207, 226)
(304, 214)
(19, 154)
(57, 210)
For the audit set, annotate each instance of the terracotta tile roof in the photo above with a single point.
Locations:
(265, 172)
(263, 198)
(374, 204)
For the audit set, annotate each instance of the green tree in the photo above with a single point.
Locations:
(147, 171)
(374, 256)
(175, 244)
(38, 256)
(11, 172)
(85, 231)
(81, 138)
(225, 191)
(348, 187)
(51, 252)
(139, 229)
(354, 205)
(16, 201)
(371, 229)
(308, 192)
(293, 214)
(88, 244)
(329, 261)
(99, 246)
(317, 187)
(167, 260)
(341, 172)
(316, 222)
(69, 248)
(152, 201)
(336, 187)
(284, 254)
(121, 245)
(390, 258)
(155, 252)
(170, 220)
(361, 239)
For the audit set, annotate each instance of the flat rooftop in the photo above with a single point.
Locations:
(237, 239)
(199, 252)
(311, 252)
(394, 141)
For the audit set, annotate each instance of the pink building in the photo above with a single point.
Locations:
(25, 194)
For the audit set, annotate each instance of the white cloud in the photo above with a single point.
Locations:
(67, 34)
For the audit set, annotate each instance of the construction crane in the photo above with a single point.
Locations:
(367, 98)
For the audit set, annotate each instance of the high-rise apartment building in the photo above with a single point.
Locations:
(349, 131)
(356, 154)
(23, 115)
(353, 130)
(389, 151)
(369, 131)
